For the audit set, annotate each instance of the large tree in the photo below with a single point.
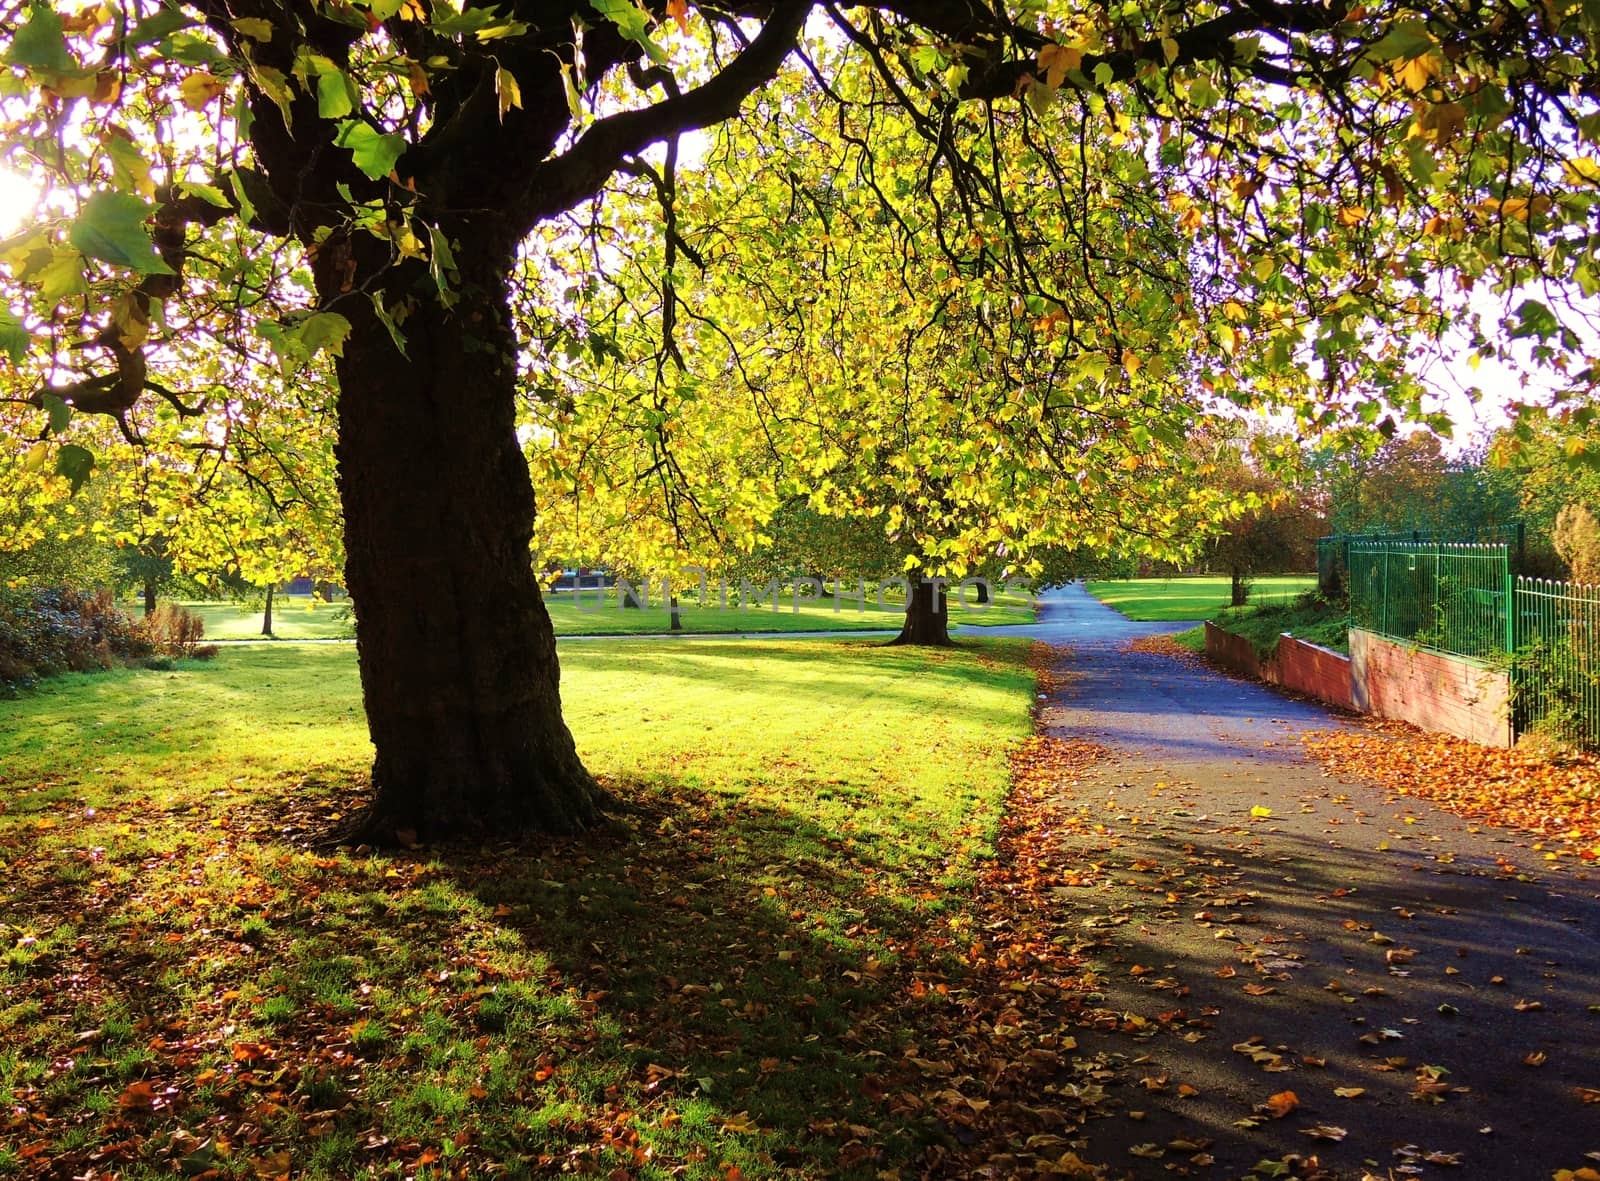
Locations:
(1338, 163)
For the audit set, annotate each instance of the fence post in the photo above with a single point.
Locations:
(1511, 612)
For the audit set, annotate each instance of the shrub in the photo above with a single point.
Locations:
(173, 630)
(53, 629)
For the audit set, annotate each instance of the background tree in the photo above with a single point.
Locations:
(1273, 521)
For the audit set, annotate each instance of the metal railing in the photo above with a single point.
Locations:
(1333, 551)
(1556, 673)
(1448, 596)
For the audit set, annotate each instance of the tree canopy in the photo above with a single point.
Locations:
(1249, 201)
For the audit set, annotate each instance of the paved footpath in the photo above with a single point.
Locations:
(1270, 929)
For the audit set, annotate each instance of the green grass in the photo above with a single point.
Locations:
(187, 983)
(594, 618)
(1192, 596)
(297, 617)
(304, 618)
(1306, 617)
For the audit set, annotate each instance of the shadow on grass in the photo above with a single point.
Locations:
(711, 989)
(751, 961)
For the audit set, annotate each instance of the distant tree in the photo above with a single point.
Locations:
(1274, 521)
(1577, 540)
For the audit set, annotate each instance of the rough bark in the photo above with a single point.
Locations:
(266, 614)
(457, 654)
(149, 597)
(677, 620)
(927, 617)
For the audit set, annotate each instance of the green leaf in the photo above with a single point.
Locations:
(13, 336)
(60, 413)
(158, 25)
(442, 265)
(129, 169)
(247, 209)
(111, 228)
(208, 193)
(1404, 40)
(1535, 319)
(75, 463)
(633, 22)
(336, 94)
(63, 277)
(389, 322)
(374, 152)
(192, 49)
(254, 27)
(324, 330)
(41, 45)
(484, 23)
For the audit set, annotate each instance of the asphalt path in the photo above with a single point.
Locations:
(1258, 927)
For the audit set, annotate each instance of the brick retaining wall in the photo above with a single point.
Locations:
(1451, 694)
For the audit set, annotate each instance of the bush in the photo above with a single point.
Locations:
(54, 630)
(173, 630)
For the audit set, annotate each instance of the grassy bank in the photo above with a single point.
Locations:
(187, 984)
(1308, 619)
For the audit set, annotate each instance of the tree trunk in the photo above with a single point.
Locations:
(149, 597)
(1239, 590)
(677, 620)
(457, 654)
(927, 617)
(266, 615)
(982, 595)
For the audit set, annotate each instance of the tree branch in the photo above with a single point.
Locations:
(563, 181)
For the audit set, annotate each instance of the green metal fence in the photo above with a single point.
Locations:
(1556, 673)
(1333, 552)
(1450, 597)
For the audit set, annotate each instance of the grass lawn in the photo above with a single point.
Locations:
(304, 618)
(187, 984)
(1192, 596)
(294, 617)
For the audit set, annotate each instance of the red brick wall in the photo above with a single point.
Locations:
(1315, 671)
(1231, 651)
(1445, 693)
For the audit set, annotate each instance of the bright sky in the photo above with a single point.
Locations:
(17, 199)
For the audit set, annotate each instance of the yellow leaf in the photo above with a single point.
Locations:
(199, 89)
(37, 454)
(1057, 61)
(1169, 49)
(1260, 812)
(1352, 215)
(1131, 362)
(507, 90)
(1265, 268)
(1129, 463)
(1582, 170)
(1416, 72)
